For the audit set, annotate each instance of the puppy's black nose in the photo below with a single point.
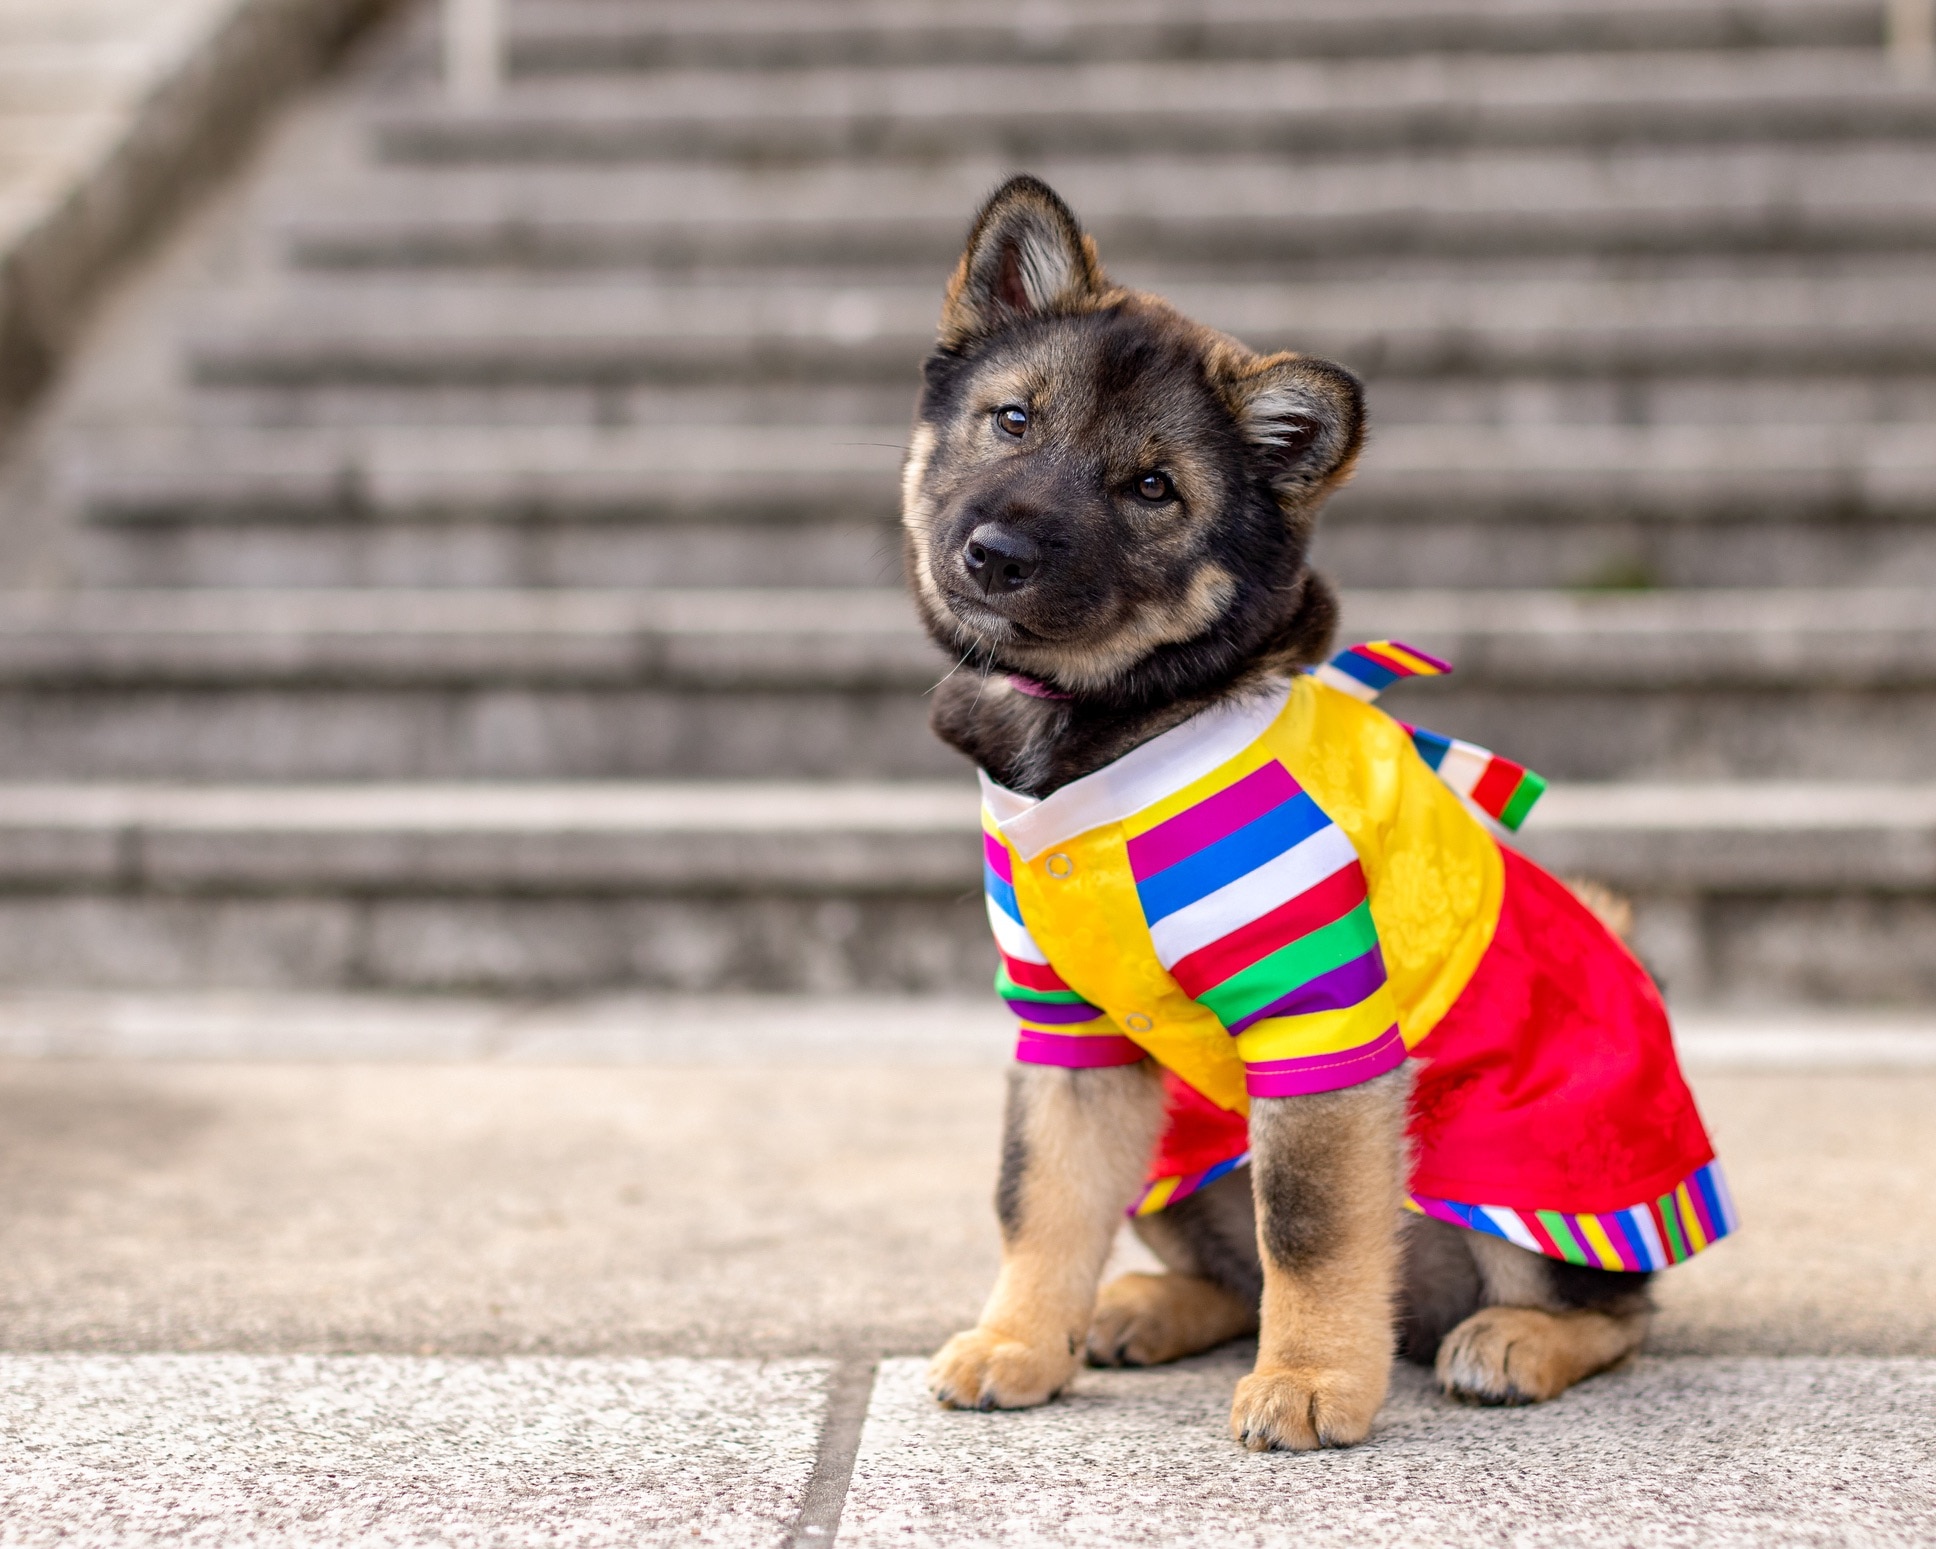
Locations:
(999, 559)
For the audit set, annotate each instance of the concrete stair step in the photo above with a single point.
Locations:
(1527, 318)
(794, 474)
(461, 684)
(1255, 105)
(465, 684)
(1864, 196)
(553, 36)
(827, 638)
(1363, 542)
(777, 886)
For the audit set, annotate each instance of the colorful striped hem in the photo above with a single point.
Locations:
(1075, 1051)
(1498, 787)
(1161, 1193)
(1651, 1235)
(1325, 1072)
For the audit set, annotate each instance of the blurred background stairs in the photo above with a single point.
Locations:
(465, 558)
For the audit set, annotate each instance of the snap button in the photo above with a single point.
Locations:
(1059, 865)
(1136, 1022)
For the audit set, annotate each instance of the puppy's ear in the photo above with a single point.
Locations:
(1304, 420)
(1026, 257)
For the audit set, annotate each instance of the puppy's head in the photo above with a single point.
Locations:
(1101, 494)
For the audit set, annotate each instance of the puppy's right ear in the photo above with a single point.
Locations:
(1026, 257)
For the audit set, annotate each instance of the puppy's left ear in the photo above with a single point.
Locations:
(1026, 257)
(1304, 420)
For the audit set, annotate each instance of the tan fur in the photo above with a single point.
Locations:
(1324, 1348)
(1086, 1136)
(1144, 1320)
(1523, 1355)
(916, 509)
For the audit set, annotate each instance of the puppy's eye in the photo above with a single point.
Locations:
(1012, 419)
(1155, 488)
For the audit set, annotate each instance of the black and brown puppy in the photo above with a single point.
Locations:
(1117, 503)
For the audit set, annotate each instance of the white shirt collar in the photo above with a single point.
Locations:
(1140, 778)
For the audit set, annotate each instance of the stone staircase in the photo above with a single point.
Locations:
(467, 561)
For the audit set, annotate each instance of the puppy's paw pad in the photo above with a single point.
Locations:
(1302, 1410)
(1503, 1355)
(983, 1369)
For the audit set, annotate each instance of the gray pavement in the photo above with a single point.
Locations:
(378, 1450)
(1670, 1452)
(479, 1212)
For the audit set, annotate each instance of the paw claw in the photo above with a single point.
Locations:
(1302, 1410)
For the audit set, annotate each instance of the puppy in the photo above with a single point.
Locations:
(1361, 1074)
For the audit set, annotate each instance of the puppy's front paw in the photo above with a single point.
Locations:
(983, 1369)
(1300, 1409)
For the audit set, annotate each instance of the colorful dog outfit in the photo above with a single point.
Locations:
(1286, 895)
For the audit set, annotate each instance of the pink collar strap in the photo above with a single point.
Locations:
(1035, 688)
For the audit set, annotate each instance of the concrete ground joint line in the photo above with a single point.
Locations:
(850, 1391)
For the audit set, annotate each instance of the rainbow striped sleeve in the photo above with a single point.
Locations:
(1058, 1027)
(1498, 787)
(1257, 907)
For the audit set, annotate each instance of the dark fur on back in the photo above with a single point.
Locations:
(1142, 528)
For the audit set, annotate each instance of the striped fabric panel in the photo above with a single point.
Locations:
(1366, 671)
(1058, 1027)
(1163, 1192)
(1501, 789)
(1257, 906)
(1498, 787)
(1650, 1235)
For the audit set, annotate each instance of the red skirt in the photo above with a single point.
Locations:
(1550, 1085)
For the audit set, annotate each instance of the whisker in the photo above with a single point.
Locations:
(953, 670)
(986, 668)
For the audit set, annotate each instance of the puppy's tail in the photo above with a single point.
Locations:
(1605, 905)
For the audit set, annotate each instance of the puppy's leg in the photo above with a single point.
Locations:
(1209, 1244)
(1074, 1150)
(1442, 1285)
(1330, 1171)
(1548, 1325)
